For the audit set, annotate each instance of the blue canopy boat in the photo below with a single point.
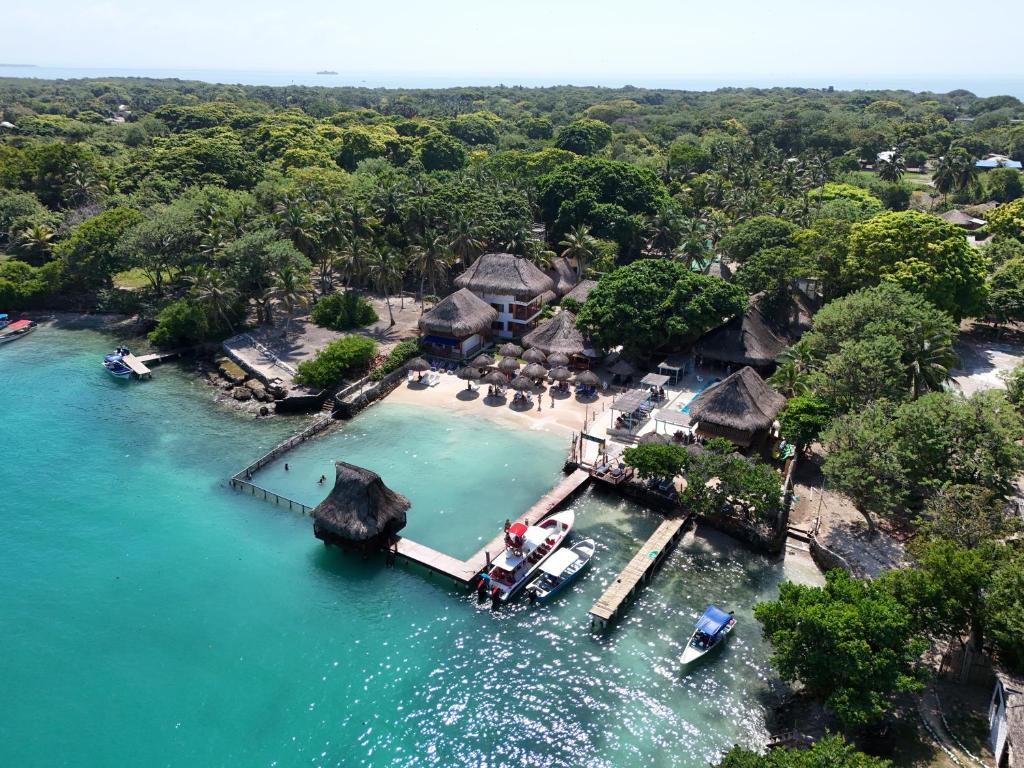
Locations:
(709, 632)
(115, 365)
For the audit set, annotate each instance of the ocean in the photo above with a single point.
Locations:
(153, 616)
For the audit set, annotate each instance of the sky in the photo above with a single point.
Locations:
(579, 41)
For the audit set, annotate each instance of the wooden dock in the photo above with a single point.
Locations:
(465, 571)
(137, 366)
(637, 572)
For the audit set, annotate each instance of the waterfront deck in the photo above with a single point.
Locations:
(465, 571)
(637, 572)
(137, 366)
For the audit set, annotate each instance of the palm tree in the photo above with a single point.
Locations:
(295, 221)
(929, 361)
(788, 381)
(465, 241)
(431, 261)
(386, 269)
(35, 242)
(892, 167)
(579, 246)
(664, 230)
(290, 288)
(694, 247)
(944, 176)
(211, 289)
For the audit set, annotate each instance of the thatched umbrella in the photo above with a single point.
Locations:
(360, 510)
(468, 374)
(622, 368)
(510, 350)
(521, 383)
(496, 378)
(534, 356)
(418, 364)
(560, 374)
(654, 438)
(535, 371)
(588, 379)
(508, 365)
(556, 359)
(483, 361)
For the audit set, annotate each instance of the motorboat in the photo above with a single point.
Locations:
(10, 331)
(115, 364)
(527, 547)
(709, 632)
(560, 570)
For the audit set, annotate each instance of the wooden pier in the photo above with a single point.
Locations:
(137, 366)
(637, 572)
(465, 571)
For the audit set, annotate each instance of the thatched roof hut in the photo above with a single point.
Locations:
(360, 511)
(563, 275)
(459, 316)
(581, 291)
(558, 334)
(748, 339)
(739, 408)
(505, 274)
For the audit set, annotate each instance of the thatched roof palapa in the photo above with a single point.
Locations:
(581, 291)
(504, 274)
(360, 509)
(459, 316)
(558, 334)
(748, 339)
(562, 275)
(742, 404)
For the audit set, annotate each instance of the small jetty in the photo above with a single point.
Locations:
(139, 369)
(637, 572)
(465, 571)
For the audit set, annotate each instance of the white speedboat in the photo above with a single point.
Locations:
(11, 331)
(560, 570)
(115, 364)
(526, 549)
(709, 632)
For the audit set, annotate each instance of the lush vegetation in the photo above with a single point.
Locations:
(829, 752)
(340, 358)
(343, 311)
(402, 353)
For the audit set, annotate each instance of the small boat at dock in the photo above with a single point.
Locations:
(115, 364)
(561, 570)
(10, 331)
(710, 631)
(526, 549)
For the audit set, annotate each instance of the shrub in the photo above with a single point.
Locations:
(180, 323)
(336, 360)
(343, 312)
(396, 358)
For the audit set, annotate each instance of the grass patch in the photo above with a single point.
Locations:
(131, 279)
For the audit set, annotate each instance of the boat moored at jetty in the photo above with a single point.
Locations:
(526, 549)
(560, 570)
(115, 364)
(709, 632)
(10, 331)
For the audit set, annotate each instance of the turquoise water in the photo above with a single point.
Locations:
(151, 616)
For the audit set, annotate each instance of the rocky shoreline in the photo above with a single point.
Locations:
(237, 388)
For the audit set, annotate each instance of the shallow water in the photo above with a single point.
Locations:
(151, 616)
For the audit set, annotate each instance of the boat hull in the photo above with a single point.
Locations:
(586, 553)
(13, 335)
(692, 653)
(564, 521)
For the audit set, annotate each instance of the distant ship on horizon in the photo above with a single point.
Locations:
(327, 72)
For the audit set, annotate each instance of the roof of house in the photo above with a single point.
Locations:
(742, 401)
(557, 334)
(360, 507)
(961, 219)
(505, 274)
(581, 291)
(459, 315)
(747, 339)
(998, 161)
(562, 275)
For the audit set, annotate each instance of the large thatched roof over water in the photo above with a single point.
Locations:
(360, 509)
(742, 403)
(504, 274)
(748, 339)
(558, 334)
(460, 315)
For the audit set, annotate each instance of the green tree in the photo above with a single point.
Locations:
(180, 323)
(212, 291)
(653, 461)
(656, 302)
(1004, 185)
(290, 288)
(1008, 220)
(90, 253)
(893, 167)
(386, 270)
(850, 643)
(343, 311)
(34, 243)
(1015, 386)
(829, 752)
(1004, 613)
(748, 237)
(441, 152)
(580, 248)
(584, 137)
(921, 253)
(804, 418)
(431, 261)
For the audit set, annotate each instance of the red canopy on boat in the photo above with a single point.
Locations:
(18, 324)
(517, 529)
